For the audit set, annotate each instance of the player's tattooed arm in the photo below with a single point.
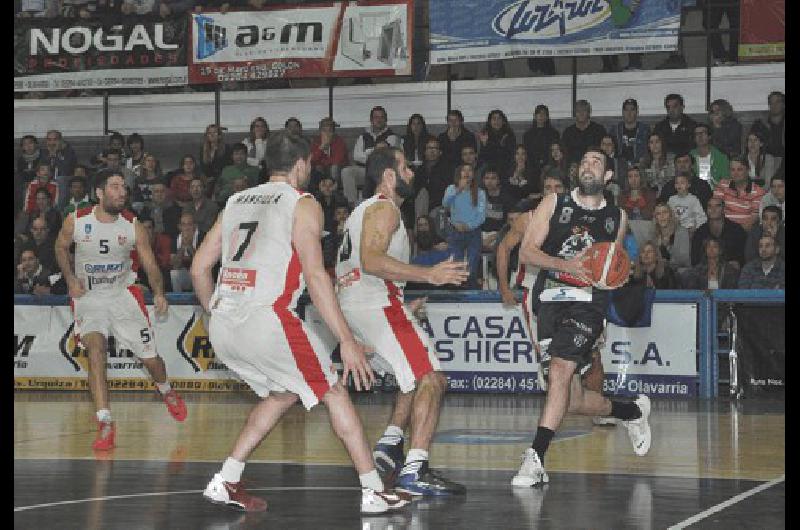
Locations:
(63, 242)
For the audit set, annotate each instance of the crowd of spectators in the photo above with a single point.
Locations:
(705, 201)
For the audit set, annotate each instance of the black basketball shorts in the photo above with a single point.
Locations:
(574, 327)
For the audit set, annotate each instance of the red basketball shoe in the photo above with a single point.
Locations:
(233, 494)
(105, 436)
(175, 405)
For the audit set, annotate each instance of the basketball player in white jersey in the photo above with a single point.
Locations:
(571, 310)
(104, 299)
(268, 239)
(371, 270)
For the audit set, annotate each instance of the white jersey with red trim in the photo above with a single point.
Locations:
(355, 288)
(103, 261)
(260, 267)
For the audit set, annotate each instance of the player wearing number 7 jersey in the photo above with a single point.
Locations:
(104, 299)
(371, 271)
(268, 239)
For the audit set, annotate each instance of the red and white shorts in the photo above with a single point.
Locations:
(401, 346)
(120, 313)
(273, 351)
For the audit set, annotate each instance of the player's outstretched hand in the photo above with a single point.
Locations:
(161, 304)
(355, 361)
(448, 272)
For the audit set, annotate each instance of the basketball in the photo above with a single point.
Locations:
(608, 265)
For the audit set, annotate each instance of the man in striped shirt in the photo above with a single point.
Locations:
(741, 196)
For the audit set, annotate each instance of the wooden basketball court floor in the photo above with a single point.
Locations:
(713, 464)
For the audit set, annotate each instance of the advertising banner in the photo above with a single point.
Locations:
(472, 30)
(761, 348)
(482, 347)
(762, 30)
(96, 54)
(324, 40)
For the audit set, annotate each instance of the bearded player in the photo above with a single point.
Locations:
(571, 315)
(103, 296)
(371, 271)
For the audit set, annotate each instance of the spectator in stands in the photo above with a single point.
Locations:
(697, 187)
(137, 7)
(710, 164)
(414, 141)
(239, 184)
(149, 174)
(27, 162)
(328, 150)
(294, 126)
(435, 174)
(556, 166)
(467, 205)
(673, 241)
(630, 134)
(181, 179)
(161, 245)
(657, 165)
(637, 200)
(771, 225)
(112, 161)
(524, 181)
(353, 176)
(768, 271)
(582, 134)
(453, 140)
(203, 210)
(726, 131)
(426, 239)
(685, 206)
(776, 123)
(239, 168)
(730, 234)
(470, 157)
(539, 138)
(652, 269)
(742, 197)
(168, 8)
(256, 143)
(498, 204)
(42, 209)
(333, 240)
(133, 162)
(42, 182)
(215, 154)
(498, 143)
(189, 238)
(776, 196)
(761, 165)
(329, 199)
(163, 212)
(677, 129)
(714, 271)
(609, 146)
(116, 143)
(32, 277)
(43, 242)
(58, 155)
(78, 196)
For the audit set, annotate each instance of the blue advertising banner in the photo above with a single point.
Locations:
(470, 30)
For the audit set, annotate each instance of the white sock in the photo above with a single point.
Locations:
(164, 387)
(415, 455)
(371, 480)
(232, 470)
(392, 436)
(104, 415)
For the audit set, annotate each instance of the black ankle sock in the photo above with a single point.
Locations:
(624, 410)
(542, 441)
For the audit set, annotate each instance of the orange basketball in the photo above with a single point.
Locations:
(608, 265)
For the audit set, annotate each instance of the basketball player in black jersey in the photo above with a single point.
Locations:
(572, 312)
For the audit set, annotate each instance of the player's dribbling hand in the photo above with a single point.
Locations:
(161, 304)
(75, 288)
(355, 361)
(576, 267)
(449, 271)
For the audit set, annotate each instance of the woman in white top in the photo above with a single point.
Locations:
(674, 242)
(657, 166)
(257, 141)
(761, 165)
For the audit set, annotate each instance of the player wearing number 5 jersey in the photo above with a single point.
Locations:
(268, 239)
(371, 271)
(104, 299)
(572, 310)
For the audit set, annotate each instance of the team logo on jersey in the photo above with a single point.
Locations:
(610, 225)
(195, 347)
(122, 240)
(579, 240)
(579, 340)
